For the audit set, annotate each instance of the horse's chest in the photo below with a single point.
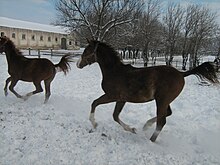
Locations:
(13, 70)
(108, 85)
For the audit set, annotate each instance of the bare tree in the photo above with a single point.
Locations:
(173, 24)
(149, 28)
(217, 43)
(203, 29)
(96, 18)
(189, 22)
(198, 28)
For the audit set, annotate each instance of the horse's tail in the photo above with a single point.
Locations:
(205, 71)
(64, 65)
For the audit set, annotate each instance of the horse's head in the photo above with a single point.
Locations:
(89, 54)
(3, 41)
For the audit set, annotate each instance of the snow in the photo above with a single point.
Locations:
(59, 132)
(13, 23)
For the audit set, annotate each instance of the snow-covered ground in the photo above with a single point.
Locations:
(59, 132)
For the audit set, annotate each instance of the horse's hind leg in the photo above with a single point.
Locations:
(47, 89)
(151, 121)
(104, 99)
(38, 90)
(117, 111)
(163, 111)
(6, 86)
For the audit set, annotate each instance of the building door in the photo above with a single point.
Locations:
(63, 43)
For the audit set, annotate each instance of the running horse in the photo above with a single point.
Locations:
(123, 83)
(30, 69)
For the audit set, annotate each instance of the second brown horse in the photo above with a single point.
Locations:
(124, 83)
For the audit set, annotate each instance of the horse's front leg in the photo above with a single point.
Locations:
(8, 80)
(117, 111)
(104, 99)
(11, 88)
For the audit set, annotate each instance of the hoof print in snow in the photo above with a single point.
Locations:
(104, 135)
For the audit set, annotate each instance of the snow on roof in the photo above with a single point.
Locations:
(13, 23)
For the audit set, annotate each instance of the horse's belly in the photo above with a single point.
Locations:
(129, 92)
(141, 99)
(27, 79)
(138, 97)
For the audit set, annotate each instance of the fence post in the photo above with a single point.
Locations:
(29, 51)
(38, 53)
(51, 52)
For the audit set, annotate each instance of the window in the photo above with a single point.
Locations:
(23, 37)
(13, 35)
(56, 39)
(49, 39)
(41, 38)
(2, 34)
(33, 37)
(70, 43)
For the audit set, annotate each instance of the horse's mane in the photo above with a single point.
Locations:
(13, 47)
(110, 50)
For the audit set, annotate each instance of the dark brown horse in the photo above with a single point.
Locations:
(31, 70)
(124, 83)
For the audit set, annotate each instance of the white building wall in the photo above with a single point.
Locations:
(24, 38)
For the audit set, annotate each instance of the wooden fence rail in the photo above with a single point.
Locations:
(177, 62)
(50, 52)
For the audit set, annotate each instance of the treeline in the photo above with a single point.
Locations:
(145, 25)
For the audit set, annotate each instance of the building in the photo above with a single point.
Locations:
(36, 36)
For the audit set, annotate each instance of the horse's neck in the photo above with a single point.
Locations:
(11, 54)
(109, 64)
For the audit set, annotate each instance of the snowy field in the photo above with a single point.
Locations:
(59, 132)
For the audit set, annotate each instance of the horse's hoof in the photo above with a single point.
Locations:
(145, 127)
(134, 130)
(94, 125)
(153, 138)
(155, 135)
(92, 120)
(24, 98)
(6, 94)
(148, 124)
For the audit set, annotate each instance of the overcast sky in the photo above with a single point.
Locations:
(43, 11)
